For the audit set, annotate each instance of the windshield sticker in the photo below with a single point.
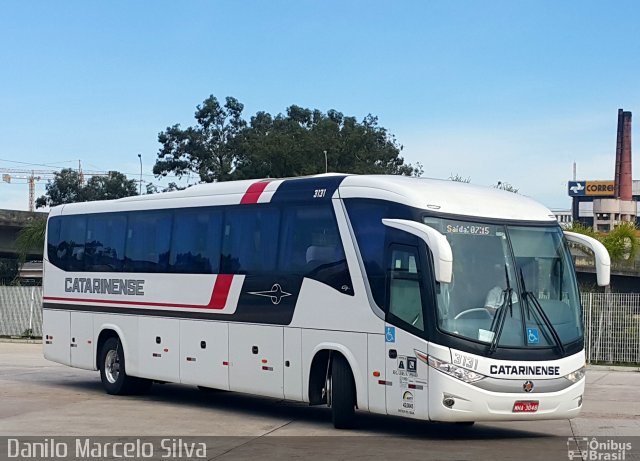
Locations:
(533, 337)
(469, 229)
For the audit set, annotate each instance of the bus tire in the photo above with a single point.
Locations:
(343, 394)
(113, 371)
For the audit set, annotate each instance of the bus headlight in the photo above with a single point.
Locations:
(577, 375)
(457, 372)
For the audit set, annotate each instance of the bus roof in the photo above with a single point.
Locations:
(441, 196)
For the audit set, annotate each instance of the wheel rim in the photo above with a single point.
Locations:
(112, 366)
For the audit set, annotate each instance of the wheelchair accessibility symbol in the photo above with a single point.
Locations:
(390, 334)
(532, 336)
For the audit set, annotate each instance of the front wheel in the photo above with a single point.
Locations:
(113, 372)
(343, 394)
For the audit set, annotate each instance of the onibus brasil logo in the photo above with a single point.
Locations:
(585, 448)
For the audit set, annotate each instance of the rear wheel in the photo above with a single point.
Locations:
(113, 372)
(342, 391)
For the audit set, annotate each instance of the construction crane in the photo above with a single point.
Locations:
(31, 176)
(9, 174)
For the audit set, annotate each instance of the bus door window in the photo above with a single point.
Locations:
(405, 288)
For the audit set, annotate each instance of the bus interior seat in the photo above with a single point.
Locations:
(318, 255)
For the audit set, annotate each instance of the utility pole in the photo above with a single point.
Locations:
(80, 173)
(140, 157)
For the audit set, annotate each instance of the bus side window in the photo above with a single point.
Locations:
(104, 250)
(148, 239)
(53, 240)
(249, 240)
(405, 294)
(195, 246)
(70, 251)
(366, 218)
(310, 246)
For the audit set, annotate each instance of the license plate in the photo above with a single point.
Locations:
(525, 406)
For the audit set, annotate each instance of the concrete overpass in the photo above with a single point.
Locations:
(11, 222)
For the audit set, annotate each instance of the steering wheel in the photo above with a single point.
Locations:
(475, 309)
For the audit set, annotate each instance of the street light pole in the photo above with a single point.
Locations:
(140, 189)
(326, 165)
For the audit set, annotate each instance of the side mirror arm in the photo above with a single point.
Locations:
(437, 243)
(603, 261)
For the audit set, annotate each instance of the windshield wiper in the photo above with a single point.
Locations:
(536, 304)
(502, 313)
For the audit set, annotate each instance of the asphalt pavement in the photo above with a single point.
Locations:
(44, 399)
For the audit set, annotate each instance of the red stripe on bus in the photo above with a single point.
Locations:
(253, 192)
(220, 291)
(218, 297)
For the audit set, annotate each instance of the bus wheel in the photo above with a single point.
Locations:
(343, 394)
(113, 373)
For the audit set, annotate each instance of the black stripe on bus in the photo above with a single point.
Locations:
(101, 309)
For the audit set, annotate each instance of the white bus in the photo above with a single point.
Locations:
(421, 298)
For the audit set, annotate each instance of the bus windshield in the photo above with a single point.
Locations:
(512, 286)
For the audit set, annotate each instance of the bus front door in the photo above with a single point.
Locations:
(406, 374)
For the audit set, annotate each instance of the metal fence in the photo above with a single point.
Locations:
(20, 311)
(612, 327)
(612, 322)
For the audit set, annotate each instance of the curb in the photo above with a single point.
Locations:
(21, 340)
(633, 368)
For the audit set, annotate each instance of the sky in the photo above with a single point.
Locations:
(512, 91)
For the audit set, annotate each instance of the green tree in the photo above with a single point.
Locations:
(31, 239)
(223, 146)
(622, 242)
(208, 149)
(66, 187)
(115, 185)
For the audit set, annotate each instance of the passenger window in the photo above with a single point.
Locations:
(405, 296)
(366, 218)
(70, 250)
(195, 246)
(249, 240)
(148, 239)
(53, 240)
(104, 250)
(311, 246)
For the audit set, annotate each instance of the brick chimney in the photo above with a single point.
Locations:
(623, 174)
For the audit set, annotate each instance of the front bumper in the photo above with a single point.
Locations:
(472, 403)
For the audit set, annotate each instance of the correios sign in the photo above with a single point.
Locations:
(591, 188)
